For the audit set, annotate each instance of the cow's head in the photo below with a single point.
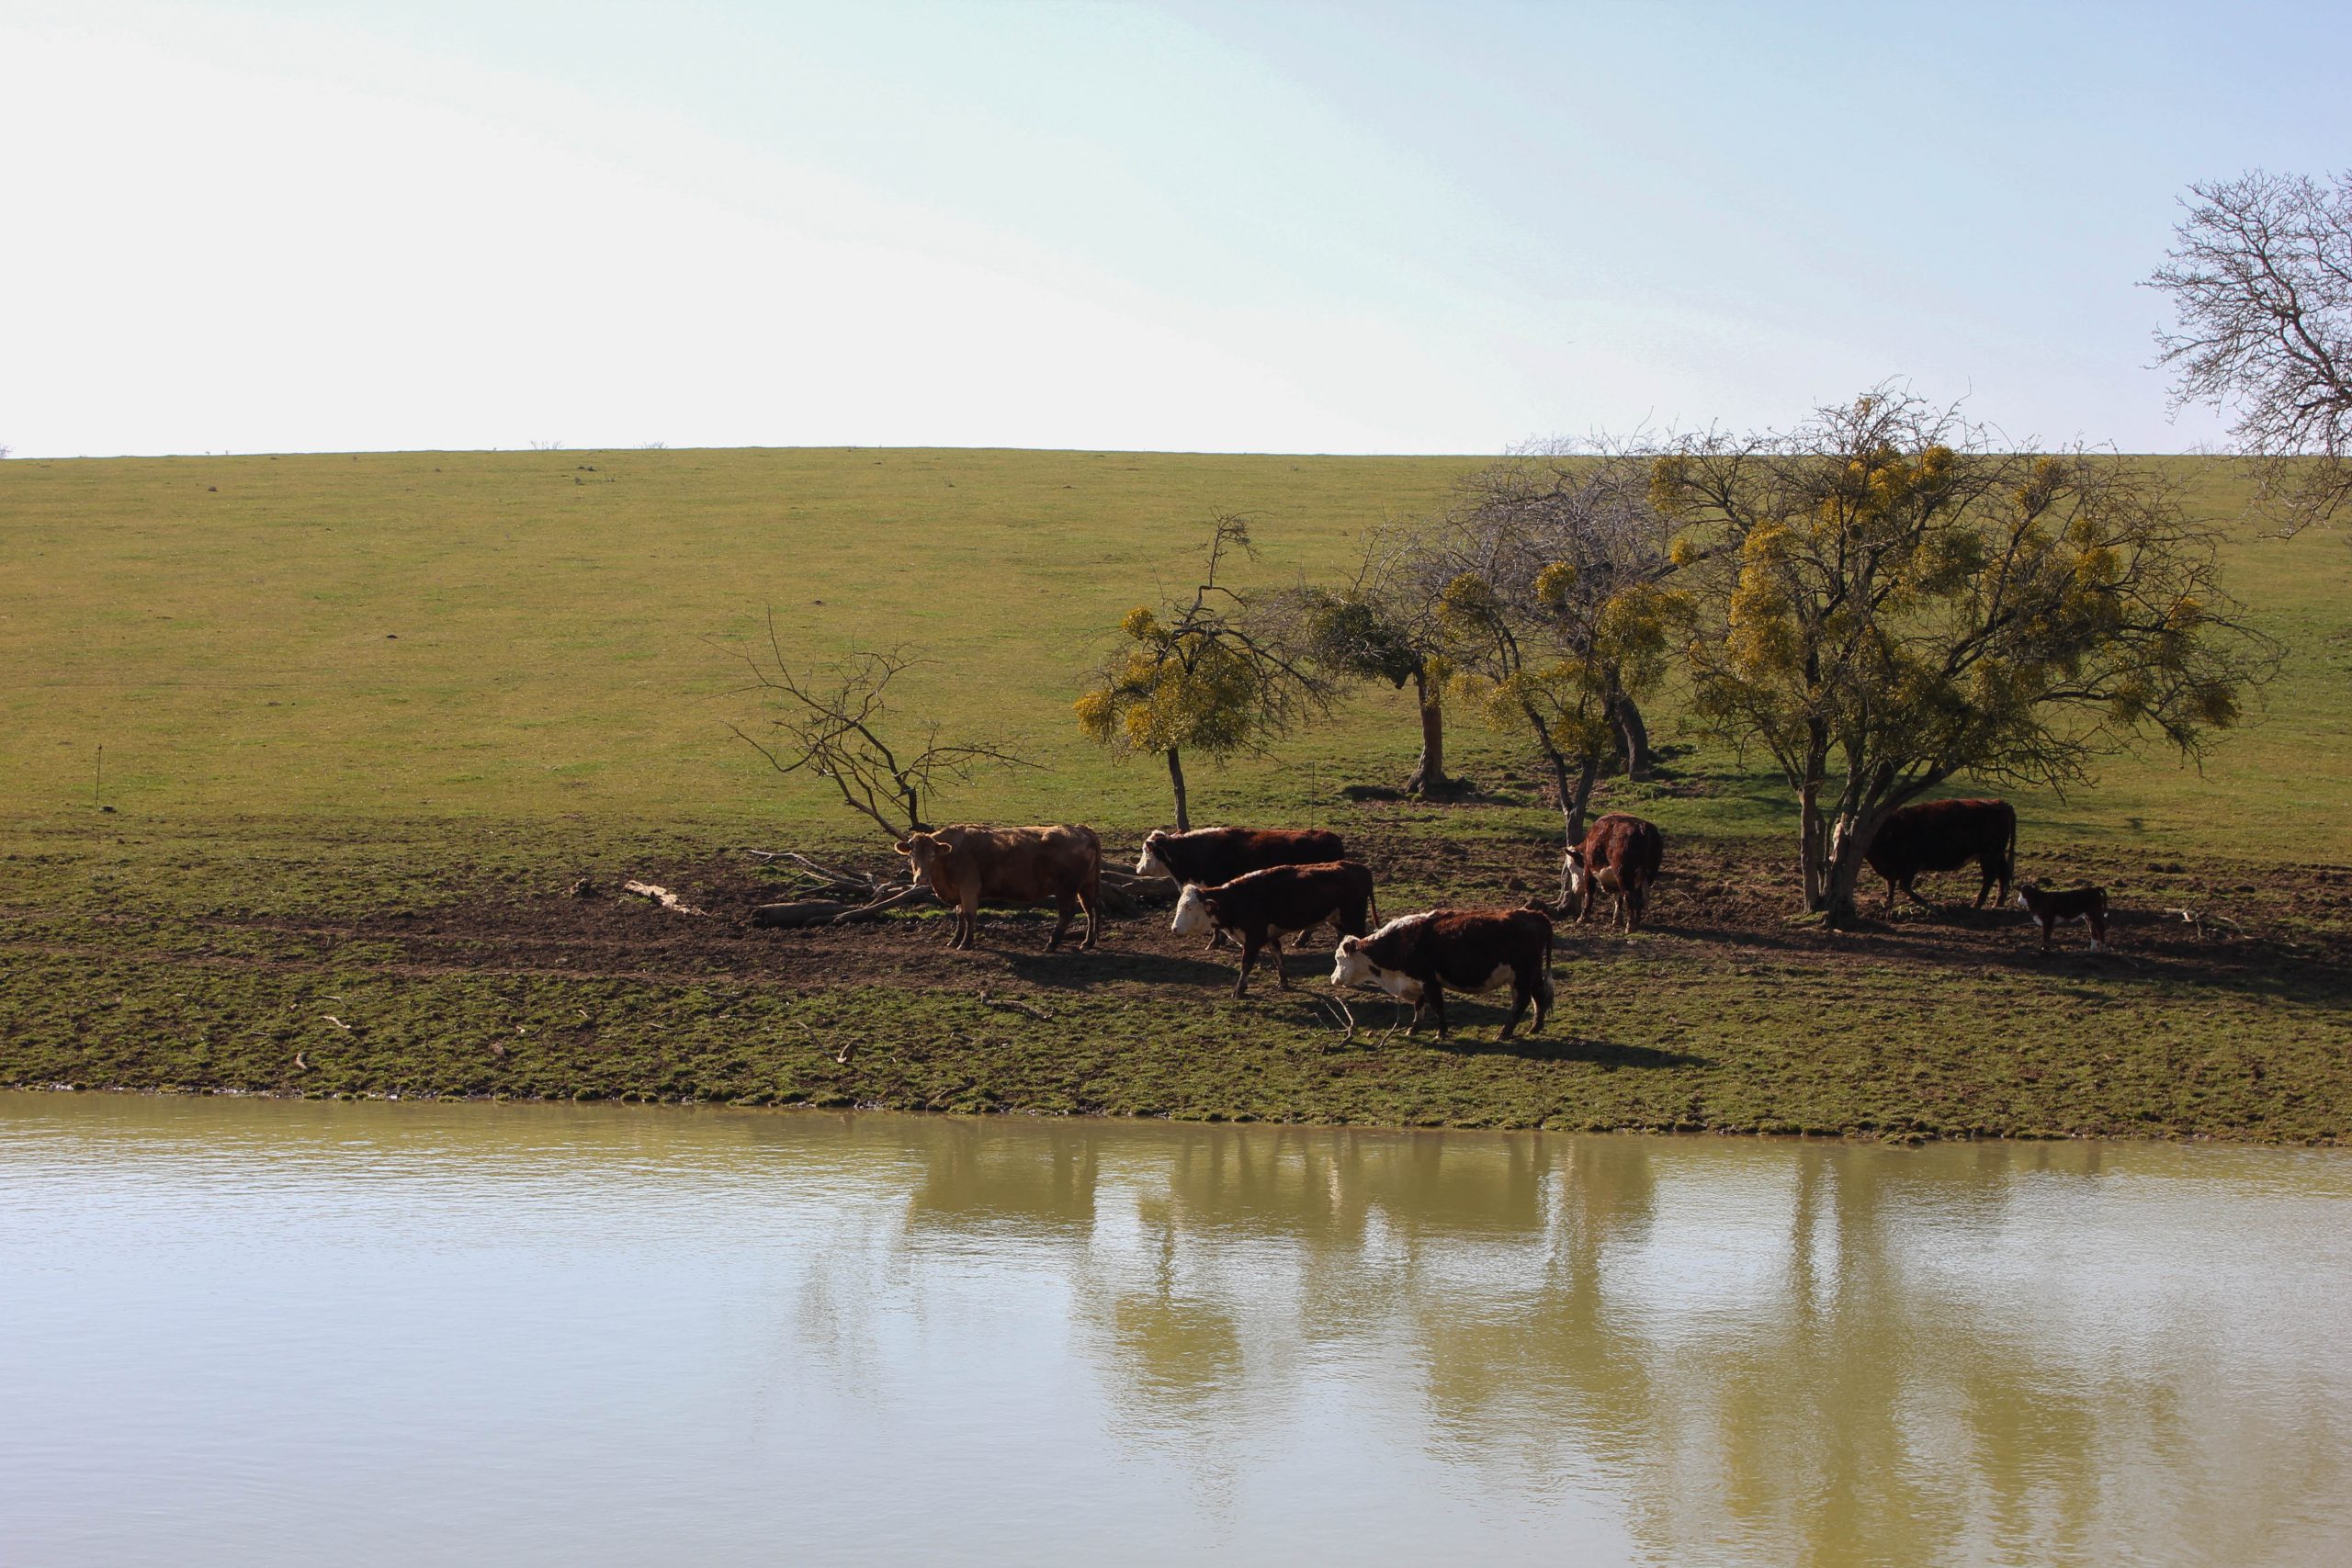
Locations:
(1148, 864)
(1193, 915)
(1351, 965)
(1575, 879)
(925, 849)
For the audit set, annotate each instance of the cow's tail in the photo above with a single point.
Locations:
(1372, 897)
(2009, 856)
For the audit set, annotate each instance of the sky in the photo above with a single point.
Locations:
(1256, 227)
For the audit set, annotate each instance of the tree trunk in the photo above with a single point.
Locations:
(1809, 843)
(1844, 870)
(1572, 807)
(1633, 736)
(1176, 778)
(1429, 774)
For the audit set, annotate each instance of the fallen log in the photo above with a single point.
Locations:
(800, 912)
(838, 911)
(662, 896)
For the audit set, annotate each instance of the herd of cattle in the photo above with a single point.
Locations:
(1268, 887)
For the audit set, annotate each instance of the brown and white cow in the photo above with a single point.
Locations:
(967, 865)
(1415, 958)
(1944, 835)
(1269, 907)
(1620, 855)
(1212, 856)
(2050, 907)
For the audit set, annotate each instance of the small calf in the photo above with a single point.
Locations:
(2050, 907)
(1269, 907)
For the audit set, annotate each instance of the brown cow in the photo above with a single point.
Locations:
(964, 864)
(1212, 856)
(1620, 855)
(1944, 835)
(1414, 959)
(2050, 907)
(1281, 901)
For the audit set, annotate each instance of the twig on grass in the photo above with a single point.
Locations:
(1014, 1004)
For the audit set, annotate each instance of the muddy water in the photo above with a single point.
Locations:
(277, 1332)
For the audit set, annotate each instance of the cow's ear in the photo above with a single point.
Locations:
(904, 846)
(1348, 944)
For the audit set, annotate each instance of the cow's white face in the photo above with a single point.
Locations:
(1574, 875)
(1351, 967)
(1148, 864)
(1192, 915)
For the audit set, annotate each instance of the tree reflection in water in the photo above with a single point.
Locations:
(1811, 1352)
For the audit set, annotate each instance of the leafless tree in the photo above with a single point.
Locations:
(2260, 277)
(830, 722)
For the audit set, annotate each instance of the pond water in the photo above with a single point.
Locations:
(257, 1331)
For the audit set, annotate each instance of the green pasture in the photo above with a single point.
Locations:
(530, 636)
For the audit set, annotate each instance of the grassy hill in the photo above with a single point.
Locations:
(520, 635)
(366, 718)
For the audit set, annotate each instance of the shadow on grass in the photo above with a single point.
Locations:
(1538, 1048)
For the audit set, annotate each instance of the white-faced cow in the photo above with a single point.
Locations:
(1268, 908)
(1212, 856)
(1944, 835)
(968, 865)
(1620, 856)
(2050, 907)
(1417, 958)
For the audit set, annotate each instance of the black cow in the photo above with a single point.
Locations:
(1266, 906)
(1944, 835)
(1415, 958)
(1213, 856)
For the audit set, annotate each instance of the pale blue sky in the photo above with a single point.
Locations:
(1298, 228)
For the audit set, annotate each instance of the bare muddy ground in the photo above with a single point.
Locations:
(460, 975)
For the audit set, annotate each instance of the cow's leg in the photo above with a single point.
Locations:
(1274, 945)
(1065, 905)
(1519, 1001)
(967, 922)
(1093, 902)
(1914, 896)
(1249, 958)
(1890, 897)
(1542, 991)
(1984, 869)
(2047, 926)
(1433, 995)
(2098, 930)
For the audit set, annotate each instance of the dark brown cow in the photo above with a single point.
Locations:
(1415, 958)
(965, 865)
(1212, 856)
(1620, 855)
(1267, 906)
(1944, 835)
(2051, 906)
